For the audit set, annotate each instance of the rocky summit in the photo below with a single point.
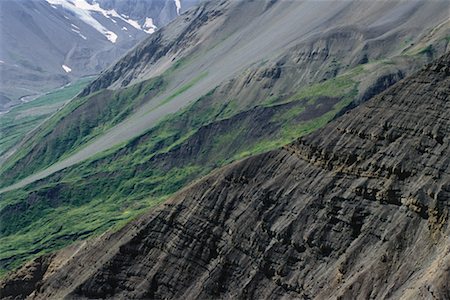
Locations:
(356, 210)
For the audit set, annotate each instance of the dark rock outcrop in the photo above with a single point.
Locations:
(358, 209)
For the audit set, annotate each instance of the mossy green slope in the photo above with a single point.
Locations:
(75, 125)
(115, 186)
(20, 120)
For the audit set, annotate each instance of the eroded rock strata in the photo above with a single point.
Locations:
(358, 209)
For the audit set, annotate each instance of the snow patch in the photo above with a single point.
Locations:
(133, 23)
(82, 9)
(78, 32)
(85, 11)
(149, 26)
(66, 68)
(111, 36)
(2, 62)
(178, 5)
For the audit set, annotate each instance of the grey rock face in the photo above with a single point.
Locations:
(301, 43)
(162, 11)
(358, 209)
(40, 37)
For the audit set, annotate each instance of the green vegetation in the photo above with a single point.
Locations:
(80, 121)
(179, 64)
(20, 120)
(420, 51)
(341, 86)
(116, 186)
(428, 51)
(184, 88)
(335, 87)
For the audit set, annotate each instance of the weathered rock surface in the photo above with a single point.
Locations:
(358, 209)
(39, 37)
(224, 46)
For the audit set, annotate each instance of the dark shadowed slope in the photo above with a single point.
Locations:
(358, 209)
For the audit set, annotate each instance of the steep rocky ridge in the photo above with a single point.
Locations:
(214, 45)
(216, 24)
(301, 84)
(358, 209)
(49, 43)
(86, 199)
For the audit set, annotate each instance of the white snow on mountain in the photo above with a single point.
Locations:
(178, 5)
(86, 11)
(83, 10)
(149, 26)
(66, 68)
(133, 23)
(82, 36)
(111, 36)
(76, 29)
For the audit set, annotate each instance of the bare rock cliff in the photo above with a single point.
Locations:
(358, 209)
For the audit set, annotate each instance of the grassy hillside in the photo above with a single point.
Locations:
(114, 187)
(76, 124)
(267, 86)
(20, 120)
(117, 185)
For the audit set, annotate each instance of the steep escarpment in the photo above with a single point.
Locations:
(86, 199)
(356, 209)
(220, 87)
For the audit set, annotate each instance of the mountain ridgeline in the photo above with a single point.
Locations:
(224, 81)
(212, 48)
(49, 43)
(358, 209)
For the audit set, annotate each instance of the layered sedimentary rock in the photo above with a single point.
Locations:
(358, 209)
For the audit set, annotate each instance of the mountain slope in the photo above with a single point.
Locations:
(358, 209)
(159, 136)
(22, 119)
(215, 46)
(48, 43)
(86, 199)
